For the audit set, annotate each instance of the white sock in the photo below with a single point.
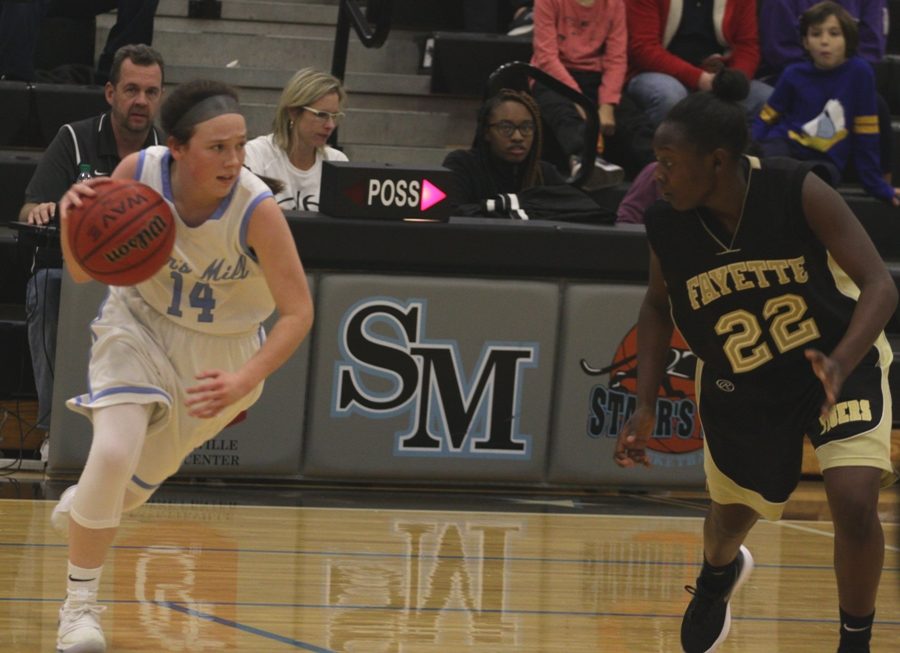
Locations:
(81, 579)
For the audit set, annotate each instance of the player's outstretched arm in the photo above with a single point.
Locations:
(844, 237)
(654, 333)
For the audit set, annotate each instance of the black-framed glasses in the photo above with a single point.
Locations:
(508, 128)
(323, 116)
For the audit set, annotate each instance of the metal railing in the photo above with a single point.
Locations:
(350, 14)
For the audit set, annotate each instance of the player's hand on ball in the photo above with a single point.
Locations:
(829, 372)
(119, 231)
(631, 446)
(216, 390)
(72, 197)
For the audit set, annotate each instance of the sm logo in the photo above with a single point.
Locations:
(388, 368)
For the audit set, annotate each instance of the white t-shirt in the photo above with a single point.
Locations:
(301, 192)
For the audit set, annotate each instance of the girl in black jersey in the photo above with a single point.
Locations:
(779, 292)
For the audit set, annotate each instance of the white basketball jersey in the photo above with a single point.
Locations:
(212, 282)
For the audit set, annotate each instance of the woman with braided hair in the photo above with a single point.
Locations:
(505, 156)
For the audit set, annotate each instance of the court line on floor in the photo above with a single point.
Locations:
(402, 556)
(550, 613)
(205, 616)
(402, 608)
(816, 531)
(462, 511)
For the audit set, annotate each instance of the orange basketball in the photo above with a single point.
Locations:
(682, 431)
(124, 234)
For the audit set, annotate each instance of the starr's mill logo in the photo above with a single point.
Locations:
(678, 436)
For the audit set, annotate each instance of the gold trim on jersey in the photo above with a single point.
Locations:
(847, 287)
(842, 281)
(871, 448)
(721, 488)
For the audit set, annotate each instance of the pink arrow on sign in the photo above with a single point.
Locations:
(431, 195)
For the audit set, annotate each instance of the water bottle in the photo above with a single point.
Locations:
(84, 172)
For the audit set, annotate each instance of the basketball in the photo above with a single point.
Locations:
(683, 432)
(124, 234)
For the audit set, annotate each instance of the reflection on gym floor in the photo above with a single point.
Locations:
(272, 568)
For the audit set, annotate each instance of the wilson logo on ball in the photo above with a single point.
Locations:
(147, 238)
(124, 234)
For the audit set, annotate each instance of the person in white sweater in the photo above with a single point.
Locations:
(310, 108)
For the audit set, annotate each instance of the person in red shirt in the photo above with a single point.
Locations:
(676, 47)
(583, 44)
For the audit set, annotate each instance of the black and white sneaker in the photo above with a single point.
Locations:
(708, 616)
(603, 175)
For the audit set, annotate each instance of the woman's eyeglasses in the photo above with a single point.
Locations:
(323, 116)
(508, 128)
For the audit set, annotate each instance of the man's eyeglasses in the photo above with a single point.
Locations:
(508, 128)
(323, 116)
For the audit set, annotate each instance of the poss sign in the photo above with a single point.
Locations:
(384, 191)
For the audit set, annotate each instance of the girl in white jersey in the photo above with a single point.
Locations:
(177, 357)
(309, 110)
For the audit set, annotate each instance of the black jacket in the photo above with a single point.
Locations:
(477, 176)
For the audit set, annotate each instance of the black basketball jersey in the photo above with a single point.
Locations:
(749, 305)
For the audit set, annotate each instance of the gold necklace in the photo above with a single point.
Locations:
(729, 248)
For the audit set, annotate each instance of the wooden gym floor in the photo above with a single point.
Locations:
(270, 568)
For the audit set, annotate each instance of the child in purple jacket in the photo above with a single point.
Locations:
(825, 109)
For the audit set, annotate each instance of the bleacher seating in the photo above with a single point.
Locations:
(37, 111)
(427, 15)
(462, 62)
(17, 380)
(57, 104)
(17, 126)
(893, 39)
(16, 168)
(65, 41)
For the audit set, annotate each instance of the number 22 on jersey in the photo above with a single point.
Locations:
(787, 327)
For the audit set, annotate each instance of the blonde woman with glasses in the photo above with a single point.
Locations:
(310, 109)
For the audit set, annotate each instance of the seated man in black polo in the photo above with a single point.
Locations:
(133, 92)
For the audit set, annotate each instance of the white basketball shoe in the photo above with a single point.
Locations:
(79, 624)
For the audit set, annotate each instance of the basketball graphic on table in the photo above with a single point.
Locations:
(124, 234)
(684, 430)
